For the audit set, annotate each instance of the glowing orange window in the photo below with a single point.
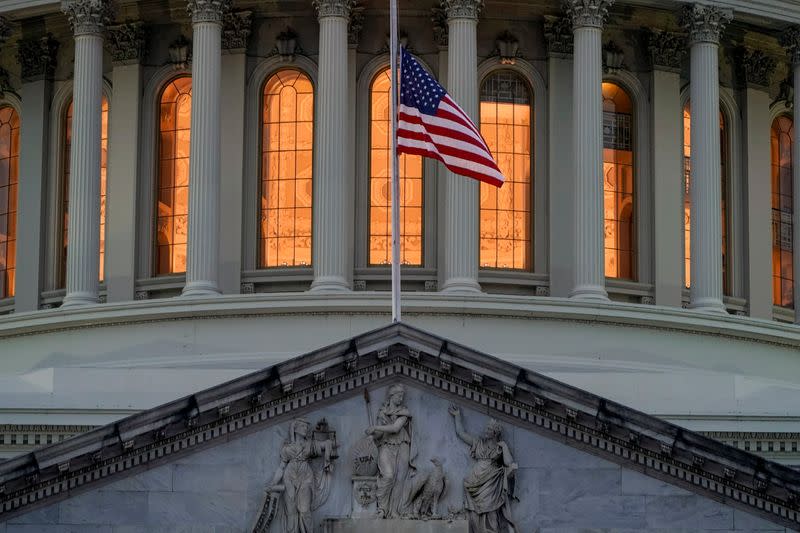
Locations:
(687, 162)
(618, 183)
(65, 194)
(286, 170)
(782, 264)
(505, 213)
(9, 176)
(172, 207)
(380, 224)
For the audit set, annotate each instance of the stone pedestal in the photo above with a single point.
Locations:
(376, 525)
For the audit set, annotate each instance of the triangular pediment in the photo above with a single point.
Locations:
(570, 446)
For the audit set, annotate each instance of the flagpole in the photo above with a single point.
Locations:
(395, 165)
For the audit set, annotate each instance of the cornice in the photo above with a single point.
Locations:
(705, 23)
(126, 42)
(528, 400)
(587, 13)
(87, 17)
(208, 10)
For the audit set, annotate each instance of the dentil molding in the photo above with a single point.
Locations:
(587, 13)
(705, 23)
(208, 10)
(87, 17)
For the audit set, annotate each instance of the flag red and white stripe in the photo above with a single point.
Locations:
(431, 124)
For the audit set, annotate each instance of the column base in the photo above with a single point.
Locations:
(195, 289)
(461, 286)
(708, 305)
(330, 284)
(79, 299)
(592, 293)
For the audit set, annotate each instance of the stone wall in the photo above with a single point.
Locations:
(221, 489)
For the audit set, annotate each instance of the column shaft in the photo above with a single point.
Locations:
(460, 260)
(705, 189)
(331, 250)
(202, 252)
(83, 232)
(588, 149)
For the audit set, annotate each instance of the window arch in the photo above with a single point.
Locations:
(505, 214)
(782, 135)
(411, 197)
(65, 188)
(618, 183)
(172, 203)
(9, 177)
(286, 170)
(687, 161)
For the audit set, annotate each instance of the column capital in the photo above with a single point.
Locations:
(126, 42)
(208, 10)
(236, 29)
(5, 30)
(790, 39)
(667, 49)
(333, 8)
(587, 13)
(755, 67)
(37, 57)
(558, 36)
(705, 23)
(87, 17)
(462, 9)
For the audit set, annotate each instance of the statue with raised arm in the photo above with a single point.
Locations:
(488, 488)
(303, 489)
(392, 435)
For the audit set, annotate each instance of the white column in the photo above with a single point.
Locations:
(791, 40)
(460, 231)
(561, 177)
(37, 58)
(668, 51)
(202, 252)
(234, 82)
(88, 19)
(704, 24)
(126, 44)
(588, 17)
(758, 69)
(332, 248)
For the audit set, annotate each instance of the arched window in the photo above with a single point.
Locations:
(286, 170)
(9, 175)
(505, 213)
(65, 191)
(687, 161)
(782, 267)
(618, 183)
(172, 204)
(380, 220)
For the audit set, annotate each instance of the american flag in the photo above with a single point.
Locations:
(431, 124)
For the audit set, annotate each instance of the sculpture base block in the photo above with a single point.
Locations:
(376, 525)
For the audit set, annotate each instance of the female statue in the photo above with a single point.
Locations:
(303, 489)
(487, 488)
(392, 435)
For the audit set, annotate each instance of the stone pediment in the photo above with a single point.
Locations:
(575, 452)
